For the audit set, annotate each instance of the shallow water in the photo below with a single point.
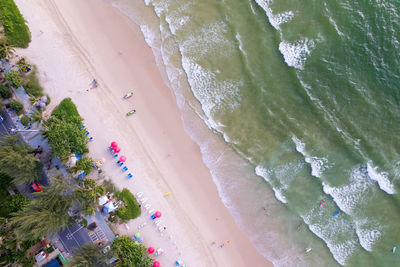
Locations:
(292, 103)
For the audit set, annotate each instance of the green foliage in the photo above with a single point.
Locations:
(63, 132)
(87, 195)
(12, 203)
(132, 209)
(14, 77)
(5, 91)
(15, 161)
(25, 120)
(46, 214)
(85, 164)
(89, 255)
(129, 253)
(6, 50)
(17, 106)
(12, 251)
(16, 30)
(32, 87)
(5, 182)
(37, 116)
(65, 137)
(66, 109)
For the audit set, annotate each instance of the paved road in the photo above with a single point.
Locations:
(6, 125)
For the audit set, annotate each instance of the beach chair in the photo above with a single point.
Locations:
(130, 175)
(147, 206)
(90, 139)
(87, 132)
(151, 211)
(161, 228)
(139, 194)
(157, 222)
(124, 169)
(120, 164)
(115, 155)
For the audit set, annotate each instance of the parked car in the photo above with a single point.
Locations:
(36, 187)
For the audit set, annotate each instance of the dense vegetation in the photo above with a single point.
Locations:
(87, 195)
(89, 255)
(5, 91)
(130, 253)
(17, 162)
(15, 78)
(131, 210)
(64, 132)
(85, 164)
(32, 86)
(16, 30)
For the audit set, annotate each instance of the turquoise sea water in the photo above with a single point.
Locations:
(307, 94)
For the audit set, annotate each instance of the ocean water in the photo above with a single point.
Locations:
(292, 103)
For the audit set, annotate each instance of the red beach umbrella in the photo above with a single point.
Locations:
(117, 150)
(156, 264)
(114, 144)
(150, 250)
(158, 214)
(122, 159)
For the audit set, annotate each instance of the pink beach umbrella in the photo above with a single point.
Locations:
(158, 214)
(156, 264)
(117, 150)
(150, 250)
(122, 159)
(114, 144)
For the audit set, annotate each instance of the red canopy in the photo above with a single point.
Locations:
(122, 159)
(156, 264)
(158, 214)
(114, 144)
(150, 250)
(116, 149)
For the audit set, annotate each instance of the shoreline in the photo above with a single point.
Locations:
(82, 45)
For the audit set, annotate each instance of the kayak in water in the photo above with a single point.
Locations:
(322, 204)
(335, 213)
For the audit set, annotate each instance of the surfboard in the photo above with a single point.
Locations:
(394, 249)
(322, 204)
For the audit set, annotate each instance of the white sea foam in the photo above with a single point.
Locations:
(265, 173)
(208, 41)
(337, 233)
(368, 233)
(213, 95)
(318, 165)
(381, 177)
(295, 53)
(349, 195)
(149, 36)
(277, 19)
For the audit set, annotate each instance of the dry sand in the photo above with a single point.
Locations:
(75, 41)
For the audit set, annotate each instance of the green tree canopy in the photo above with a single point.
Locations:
(65, 137)
(6, 50)
(13, 203)
(130, 253)
(16, 162)
(87, 195)
(46, 214)
(89, 255)
(85, 164)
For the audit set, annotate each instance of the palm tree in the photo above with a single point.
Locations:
(46, 214)
(16, 162)
(6, 50)
(37, 116)
(89, 255)
(87, 195)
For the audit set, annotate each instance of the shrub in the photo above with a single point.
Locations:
(66, 109)
(16, 30)
(25, 120)
(32, 87)
(5, 91)
(14, 77)
(85, 164)
(17, 106)
(13, 203)
(132, 209)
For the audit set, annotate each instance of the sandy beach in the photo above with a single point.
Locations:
(74, 42)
